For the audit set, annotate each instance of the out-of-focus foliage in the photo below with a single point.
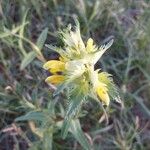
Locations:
(24, 28)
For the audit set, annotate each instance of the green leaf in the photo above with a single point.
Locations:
(144, 109)
(27, 59)
(60, 88)
(21, 34)
(38, 116)
(8, 32)
(75, 102)
(76, 130)
(65, 127)
(54, 48)
(42, 38)
(48, 138)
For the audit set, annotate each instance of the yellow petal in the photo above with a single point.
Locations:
(55, 79)
(54, 64)
(53, 70)
(89, 46)
(103, 94)
(63, 59)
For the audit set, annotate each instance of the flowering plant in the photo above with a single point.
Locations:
(75, 73)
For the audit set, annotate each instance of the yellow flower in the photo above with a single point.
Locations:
(76, 64)
(90, 46)
(54, 65)
(99, 87)
(102, 93)
(55, 79)
(69, 70)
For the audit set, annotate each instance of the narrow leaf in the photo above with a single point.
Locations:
(60, 88)
(79, 135)
(42, 38)
(54, 48)
(65, 128)
(75, 103)
(21, 33)
(38, 116)
(27, 59)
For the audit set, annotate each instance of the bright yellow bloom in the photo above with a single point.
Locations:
(90, 46)
(54, 65)
(69, 70)
(100, 88)
(54, 70)
(55, 79)
(102, 93)
(76, 64)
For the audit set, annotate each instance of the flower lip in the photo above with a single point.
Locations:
(102, 93)
(55, 79)
(54, 65)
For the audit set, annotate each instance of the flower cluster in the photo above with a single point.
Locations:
(76, 66)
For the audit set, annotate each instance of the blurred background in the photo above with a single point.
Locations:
(25, 26)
